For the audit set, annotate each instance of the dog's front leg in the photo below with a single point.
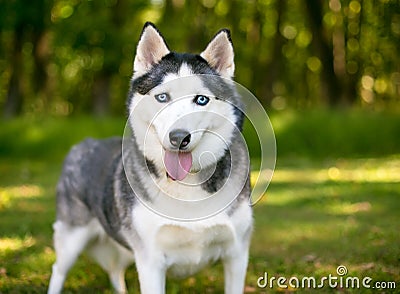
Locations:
(235, 267)
(151, 274)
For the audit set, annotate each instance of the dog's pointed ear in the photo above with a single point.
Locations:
(219, 54)
(151, 48)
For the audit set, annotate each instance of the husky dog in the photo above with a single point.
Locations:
(155, 198)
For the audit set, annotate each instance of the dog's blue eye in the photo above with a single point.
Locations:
(162, 98)
(201, 100)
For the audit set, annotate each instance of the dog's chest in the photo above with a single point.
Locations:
(184, 247)
(188, 249)
(173, 237)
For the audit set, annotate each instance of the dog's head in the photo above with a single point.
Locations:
(184, 109)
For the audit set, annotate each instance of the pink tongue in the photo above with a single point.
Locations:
(178, 164)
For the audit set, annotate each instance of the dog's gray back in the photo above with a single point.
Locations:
(86, 188)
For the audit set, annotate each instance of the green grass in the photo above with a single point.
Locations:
(319, 212)
(320, 134)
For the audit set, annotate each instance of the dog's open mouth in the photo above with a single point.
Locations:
(177, 164)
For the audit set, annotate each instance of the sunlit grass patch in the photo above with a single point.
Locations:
(348, 208)
(13, 244)
(344, 170)
(13, 193)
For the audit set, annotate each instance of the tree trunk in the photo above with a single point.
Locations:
(14, 100)
(331, 85)
(40, 56)
(101, 94)
(275, 66)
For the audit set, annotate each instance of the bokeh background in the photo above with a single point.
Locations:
(327, 73)
(68, 57)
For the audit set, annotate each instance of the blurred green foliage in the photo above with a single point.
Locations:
(317, 134)
(75, 56)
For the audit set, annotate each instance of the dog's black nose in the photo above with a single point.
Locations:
(179, 138)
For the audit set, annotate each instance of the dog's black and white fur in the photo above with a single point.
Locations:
(106, 196)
